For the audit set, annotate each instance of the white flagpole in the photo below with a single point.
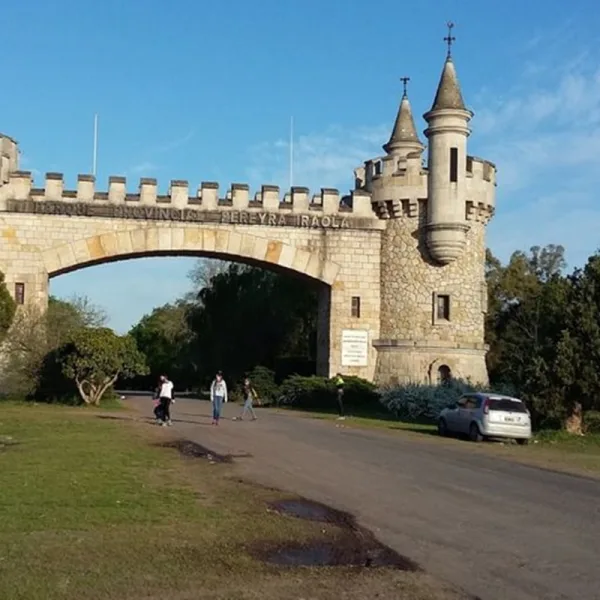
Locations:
(291, 152)
(95, 156)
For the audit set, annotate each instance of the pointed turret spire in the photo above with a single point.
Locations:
(404, 138)
(448, 93)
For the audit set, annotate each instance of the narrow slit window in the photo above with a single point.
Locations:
(356, 307)
(442, 307)
(453, 165)
(20, 293)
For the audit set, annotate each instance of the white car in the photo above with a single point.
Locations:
(481, 415)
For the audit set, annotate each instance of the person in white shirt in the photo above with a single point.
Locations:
(218, 395)
(165, 397)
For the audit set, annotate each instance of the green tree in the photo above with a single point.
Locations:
(164, 337)
(249, 316)
(35, 334)
(576, 375)
(65, 317)
(528, 299)
(7, 308)
(95, 358)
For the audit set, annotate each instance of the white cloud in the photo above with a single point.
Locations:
(147, 165)
(175, 143)
(323, 159)
(145, 168)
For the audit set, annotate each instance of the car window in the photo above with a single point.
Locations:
(462, 401)
(472, 403)
(506, 404)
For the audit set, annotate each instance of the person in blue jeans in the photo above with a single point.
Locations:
(218, 395)
(249, 395)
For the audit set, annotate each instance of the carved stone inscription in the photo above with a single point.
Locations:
(163, 213)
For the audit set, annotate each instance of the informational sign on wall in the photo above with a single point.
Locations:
(355, 347)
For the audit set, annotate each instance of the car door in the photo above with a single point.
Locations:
(468, 413)
(455, 416)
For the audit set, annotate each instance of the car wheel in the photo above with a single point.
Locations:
(523, 442)
(443, 428)
(474, 433)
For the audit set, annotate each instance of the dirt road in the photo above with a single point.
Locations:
(497, 529)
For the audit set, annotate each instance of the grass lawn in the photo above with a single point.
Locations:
(549, 449)
(92, 507)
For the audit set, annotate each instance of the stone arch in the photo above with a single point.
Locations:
(440, 368)
(165, 240)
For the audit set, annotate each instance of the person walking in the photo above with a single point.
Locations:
(249, 395)
(218, 395)
(165, 396)
(156, 400)
(339, 386)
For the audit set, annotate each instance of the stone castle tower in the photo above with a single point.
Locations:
(433, 290)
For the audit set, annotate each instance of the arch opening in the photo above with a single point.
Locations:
(271, 255)
(444, 374)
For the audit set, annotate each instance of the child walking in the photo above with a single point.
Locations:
(218, 395)
(249, 395)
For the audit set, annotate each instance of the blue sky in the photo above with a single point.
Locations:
(197, 90)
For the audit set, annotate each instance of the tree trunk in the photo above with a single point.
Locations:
(85, 396)
(99, 392)
(574, 422)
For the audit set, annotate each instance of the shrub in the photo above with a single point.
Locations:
(424, 402)
(263, 381)
(591, 421)
(319, 393)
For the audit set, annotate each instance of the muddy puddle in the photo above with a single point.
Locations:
(312, 511)
(191, 449)
(354, 547)
(343, 552)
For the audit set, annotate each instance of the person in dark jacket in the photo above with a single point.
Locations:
(339, 386)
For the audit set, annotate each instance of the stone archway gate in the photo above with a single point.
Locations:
(49, 231)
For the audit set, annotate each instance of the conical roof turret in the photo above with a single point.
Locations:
(448, 93)
(404, 138)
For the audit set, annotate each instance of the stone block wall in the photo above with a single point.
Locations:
(413, 338)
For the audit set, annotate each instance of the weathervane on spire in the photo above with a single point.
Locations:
(404, 81)
(449, 39)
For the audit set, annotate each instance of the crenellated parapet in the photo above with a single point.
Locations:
(405, 170)
(9, 157)
(207, 198)
(399, 187)
(481, 190)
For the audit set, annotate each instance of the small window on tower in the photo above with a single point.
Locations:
(453, 165)
(442, 307)
(356, 306)
(20, 293)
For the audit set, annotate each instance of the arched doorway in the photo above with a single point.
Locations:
(444, 374)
